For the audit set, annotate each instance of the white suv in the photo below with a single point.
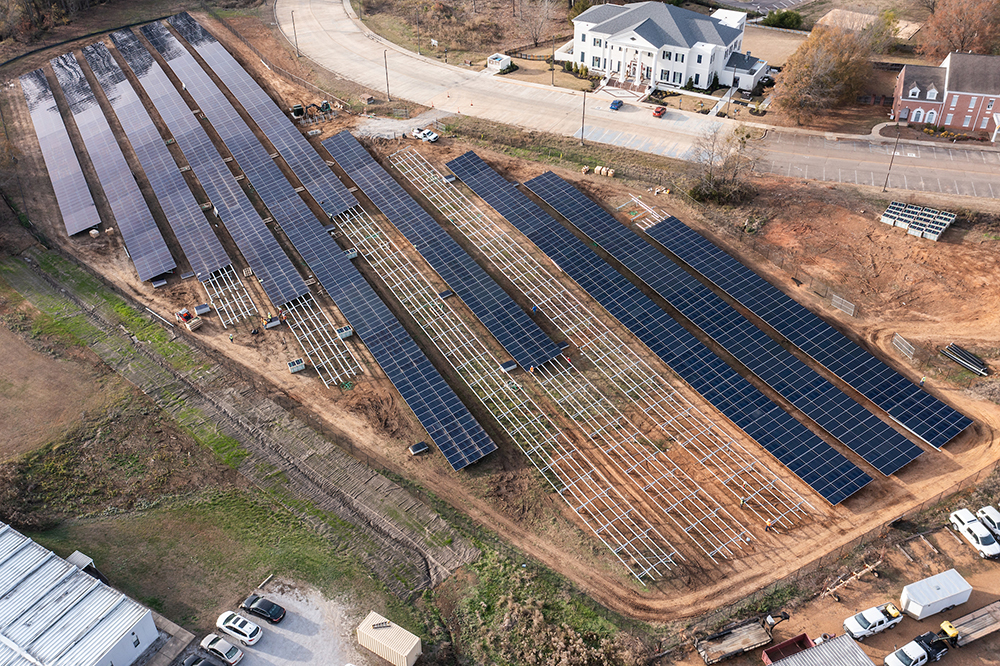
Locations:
(990, 517)
(975, 533)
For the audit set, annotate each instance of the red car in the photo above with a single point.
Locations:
(659, 111)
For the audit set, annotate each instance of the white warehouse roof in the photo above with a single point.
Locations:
(51, 612)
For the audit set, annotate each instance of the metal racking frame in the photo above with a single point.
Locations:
(229, 296)
(754, 485)
(331, 357)
(603, 508)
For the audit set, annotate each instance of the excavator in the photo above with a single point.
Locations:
(299, 111)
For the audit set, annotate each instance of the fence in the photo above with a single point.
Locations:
(521, 51)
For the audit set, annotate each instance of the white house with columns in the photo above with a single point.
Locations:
(649, 45)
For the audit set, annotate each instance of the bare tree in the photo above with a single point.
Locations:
(725, 160)
(962, 25)
(537, 19)
(827, 69)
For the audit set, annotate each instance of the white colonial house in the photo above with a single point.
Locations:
(649, 45)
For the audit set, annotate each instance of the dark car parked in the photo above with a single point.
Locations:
(261, 607)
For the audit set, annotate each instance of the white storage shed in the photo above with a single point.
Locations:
(388, 640)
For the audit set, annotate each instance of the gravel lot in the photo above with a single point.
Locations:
(316, 631)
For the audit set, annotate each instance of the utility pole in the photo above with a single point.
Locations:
(894, 146)
(418, 30)
(385, 57)
(552, 65)
(583, 120)
(296, 35)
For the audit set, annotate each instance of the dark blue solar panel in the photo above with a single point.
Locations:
(810, 458)
(74, 199)
(315, 175)
(194, 233)
(918, 411)
(138, 229)
(278, 276)
(838, 414)
(447, 421)
(511, 325)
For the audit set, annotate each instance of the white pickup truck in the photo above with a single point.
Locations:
(425, 135)
(872, 621)
(921, 650)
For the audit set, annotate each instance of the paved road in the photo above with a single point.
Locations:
(330, 35)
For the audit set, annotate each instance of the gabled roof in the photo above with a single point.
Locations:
(660, 24)
(969, 72)
(924, 77)
(600, 13)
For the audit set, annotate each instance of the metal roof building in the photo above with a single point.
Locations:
(54, 614)
(838, 651)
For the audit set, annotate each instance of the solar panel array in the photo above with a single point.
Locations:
(70, 186)
(918, 221)
(278, 276)
(448, 422)
(138, 229)
(200, 244)
(810, 458)
(860, 430)
(315, 175)
(515, 330)
(918, 411)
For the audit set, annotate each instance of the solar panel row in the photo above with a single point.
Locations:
(138, 229)
(194, 233)
(448, 422)
(860, 430)
(918, 411)
(315, 175)
(278, 276)
(829, 473)
(515, 330)
(70, 186)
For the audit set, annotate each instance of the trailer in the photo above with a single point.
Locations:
(973, 626)
(738, 638)
(935, 594)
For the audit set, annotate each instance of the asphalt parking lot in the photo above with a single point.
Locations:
(316, 631)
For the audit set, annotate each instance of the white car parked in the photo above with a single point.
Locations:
(219, 647)
(990, 517)
(239, 627)
(425, 135)
(975, 533)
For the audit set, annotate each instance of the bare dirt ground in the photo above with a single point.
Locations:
(946, 288)
(826, 614)
(39, 396)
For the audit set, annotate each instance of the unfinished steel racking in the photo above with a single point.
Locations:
(692, 510)
(229, 296)
(634, 541)
(737, 469)
(331, 357)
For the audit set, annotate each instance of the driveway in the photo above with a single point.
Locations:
(316, 631)
(330, 35)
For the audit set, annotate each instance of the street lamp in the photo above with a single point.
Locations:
(583, 120)
(385, 57)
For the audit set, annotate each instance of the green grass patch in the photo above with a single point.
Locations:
(71, 331)
(188, 559)
(208, 434)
